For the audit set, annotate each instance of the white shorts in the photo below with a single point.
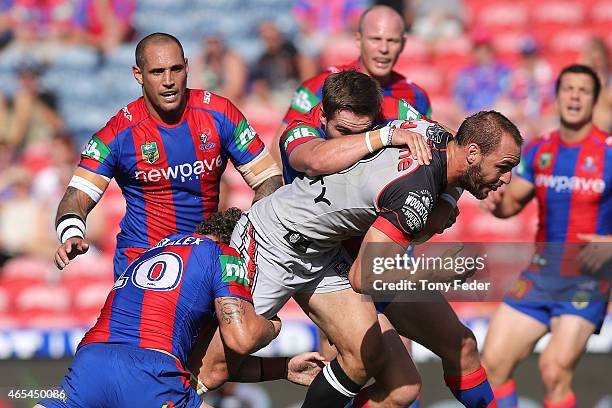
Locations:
(277, 272)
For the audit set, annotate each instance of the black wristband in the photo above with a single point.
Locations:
(261, 369)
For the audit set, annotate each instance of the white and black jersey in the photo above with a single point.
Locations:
(388, 190)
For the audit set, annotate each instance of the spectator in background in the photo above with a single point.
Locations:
(438, 20)
(105, 24)
(43, 26)
(280, 68)
(531, 90)
(321, 20)
(597, 56)
(26, 226)
(6, 33)
(482, 85)
(219, 70)
(34, 115)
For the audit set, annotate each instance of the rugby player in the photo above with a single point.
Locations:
(380, 38)
(167, 151)
(310, 141)
(569, 172)
(135, 354)
(292, 241)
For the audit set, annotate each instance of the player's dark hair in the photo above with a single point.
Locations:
(155, 37)
(486, 129)
(220, 224)
(353, 91)
(376, 7)
(580, 69)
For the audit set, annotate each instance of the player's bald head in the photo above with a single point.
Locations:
(155, 39)
(380, 14)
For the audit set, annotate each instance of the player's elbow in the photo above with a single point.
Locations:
(241, 344)
(316, 166)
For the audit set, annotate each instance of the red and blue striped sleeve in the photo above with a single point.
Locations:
(100, 156)
(238, 138)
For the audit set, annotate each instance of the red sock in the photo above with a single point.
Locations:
(568, 402)
(506, 395)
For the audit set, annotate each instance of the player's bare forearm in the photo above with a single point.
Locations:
(75, 202)
(242, 330)
(319, 157)
(266, 188)
(257, 369)
(514, 197)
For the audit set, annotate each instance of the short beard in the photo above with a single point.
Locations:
(471, 180)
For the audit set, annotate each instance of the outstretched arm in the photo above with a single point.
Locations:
(300, 369)
(326, 156)
(84, 191)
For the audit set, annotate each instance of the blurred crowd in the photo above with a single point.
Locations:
(65, 68)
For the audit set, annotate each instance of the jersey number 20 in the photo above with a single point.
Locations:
(161, 272)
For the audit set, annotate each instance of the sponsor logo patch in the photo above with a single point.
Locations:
(96, 150)
(416, 209)
(243, 135)
(233, 270)
(303, 100)
(565, 184)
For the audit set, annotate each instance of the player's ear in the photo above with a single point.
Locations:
(473, 154)
(404, 38)
(322, 118)
(186, 65)
(137, 73)
(357, 37)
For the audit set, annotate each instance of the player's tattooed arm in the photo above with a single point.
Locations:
(242, 330)
(231, 310)
(75, 202)
(266, 188)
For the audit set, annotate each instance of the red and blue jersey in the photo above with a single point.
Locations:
(310, 93)
(308, 127)
(573, 187)
(165, 298)
(170, 174)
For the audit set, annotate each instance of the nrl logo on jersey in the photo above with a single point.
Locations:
(545, 160)
(150, 153)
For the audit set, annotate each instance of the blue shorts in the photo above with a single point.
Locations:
(112, 375)
(534, 297)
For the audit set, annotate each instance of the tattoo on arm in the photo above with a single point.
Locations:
(269, 186)
(231, 310)
(75, 202)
